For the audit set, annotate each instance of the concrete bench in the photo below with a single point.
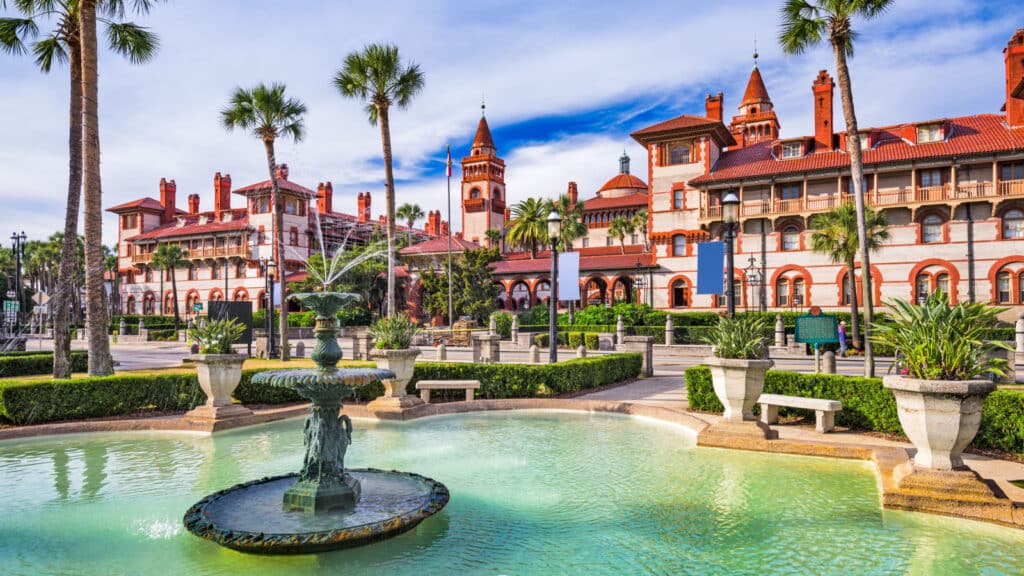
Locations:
(425, 386)
(824, 410)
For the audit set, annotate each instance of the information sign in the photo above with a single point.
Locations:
(817, 329)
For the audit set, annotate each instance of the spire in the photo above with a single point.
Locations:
(624, 163)
(756, 92)
(483, 135)
(483, 106)
(755, 53)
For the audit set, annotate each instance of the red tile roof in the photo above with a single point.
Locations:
(483, 135)
(542, 263)
(601, 203)
(685, 125)
(756, 92)
(438, 245)
(970, 135)
(192, 227)
(147, 203)
(282, 183)
(623, 181)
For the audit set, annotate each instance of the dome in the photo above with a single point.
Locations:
(624, 182)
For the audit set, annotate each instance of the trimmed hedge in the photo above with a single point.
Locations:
(867, 405)
(591, 341)
(35, 363)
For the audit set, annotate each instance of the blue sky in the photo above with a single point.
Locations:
(565, 84)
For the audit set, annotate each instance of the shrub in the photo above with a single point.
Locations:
(591, 341)
(503, 323)
(159, 335)
(217, 336)
(35, 363)
(575, 340)
(1002, 421)
(394, 332)
(742, 337)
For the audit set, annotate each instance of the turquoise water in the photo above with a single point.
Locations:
(532, 493)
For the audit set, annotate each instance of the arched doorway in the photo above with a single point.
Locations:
(543, 293)
(622, 290)
(520, 296)
(595, 291)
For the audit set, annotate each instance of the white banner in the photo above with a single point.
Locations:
(569, 276)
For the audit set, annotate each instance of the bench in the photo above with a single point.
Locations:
(425, 386)
(824, 410)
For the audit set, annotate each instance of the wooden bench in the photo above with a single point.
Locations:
(425, 386)
(824, 410)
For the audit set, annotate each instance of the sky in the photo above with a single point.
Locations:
(565, 83)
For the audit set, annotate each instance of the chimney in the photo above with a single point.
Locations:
(167, 193)
(432, 226)
(1014, 56)
(713, 107)
(325, 198)
(282, 171)
(193, 203)
(458, 235)
(363, 209)
(573, 192)
(824, 89)
(221, 193)
(444, 231)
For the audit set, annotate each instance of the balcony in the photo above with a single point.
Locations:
(201, 253)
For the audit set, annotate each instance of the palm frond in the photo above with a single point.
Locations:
(802, 26)
(14, 32)
(134, 42)
(49, 51)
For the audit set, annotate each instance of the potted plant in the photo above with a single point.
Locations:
(393, 351)
(739, 363)
(218, 367)
(947, 373)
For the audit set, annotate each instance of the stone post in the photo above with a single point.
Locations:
(362, 343)
(534, 355)
(492, 326)
(645, 346)
(142, 324)
(620, 331)
(515, 328)
(670, 331)
(122, 328)
(1020, 333)
(581, 352)
(780, 331)
(829, 364)
(487, 347)
(442, 352)
(300, 349)
(477, 345)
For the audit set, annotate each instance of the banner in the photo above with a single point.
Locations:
(569, 276)
(711, 268)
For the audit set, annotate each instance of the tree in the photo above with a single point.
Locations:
(835, 235)
(268, 114)
(377, 76)
(110, 267)
(805, 23)
(493, 236)
(573, 227)
(410, 213)
(476, 292)
(170, 257)
(529, 226)
(639, 221)
(619, 228)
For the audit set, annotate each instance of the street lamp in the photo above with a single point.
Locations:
(269, 268)
(554, 231)
(730, 215)
(754, 279)
(18, 245)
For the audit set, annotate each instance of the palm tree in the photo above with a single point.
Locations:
(573, 227)
(170, 257)
(835, 235)
(110, 267)
(378, 77)
(493, 236)
(804, 24)
(529, 225)
(639, 221)
(268, 114)
(619, 227)
(410, 213)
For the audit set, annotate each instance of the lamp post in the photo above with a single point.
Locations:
(269, 267)
(730, 216)
(638, 283)
(554, 231)
(754, 279)
(18, 245)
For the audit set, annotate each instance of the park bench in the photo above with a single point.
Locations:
(824, 410)
(425, 386)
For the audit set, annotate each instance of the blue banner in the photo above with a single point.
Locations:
(711, 268)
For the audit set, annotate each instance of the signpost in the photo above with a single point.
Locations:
(241, 312)
(816, 329)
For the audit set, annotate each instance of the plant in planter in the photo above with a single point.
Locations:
(738, 365)
(393, 351)
(218, 368)
(948, 366)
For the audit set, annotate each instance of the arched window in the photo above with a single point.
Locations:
(149, 274)
(782, 292)
(497, 194)
(214, 271)
(931, 229)
(1013, 224)
(680, 294)
(922, 285)
(942, 283)
(193, 273)
(799, 292)
(1003, 287)
(130, 305)
(240, 269)
(1020, 288)
(474, 193)
(148, 303)
(847, 290)
(678, 153)
(679, 245)
(791, 238)
(168, 304)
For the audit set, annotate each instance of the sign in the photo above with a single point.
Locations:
(568, 276)
(710, 268)
(816, 329)
(240, 312)
(197, 307)
(11, 306)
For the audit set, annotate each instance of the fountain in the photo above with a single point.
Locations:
(324, 506)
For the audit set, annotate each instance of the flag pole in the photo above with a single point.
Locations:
(451, 309)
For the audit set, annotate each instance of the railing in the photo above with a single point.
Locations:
(974, 190)
(199, 253)
(1011, 188)
(893, 196)
(788, 205)
(931, 193)
(756, 207)
(823, 201)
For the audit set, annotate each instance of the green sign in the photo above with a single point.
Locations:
(197, 307)
(11, 306)
(816, 329)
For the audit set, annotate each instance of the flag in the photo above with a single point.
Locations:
(710, 271)
(449, 163)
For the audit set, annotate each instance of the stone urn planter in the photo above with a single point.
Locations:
(218, 375)
(402, 362)
(738, 384)
(940, 417)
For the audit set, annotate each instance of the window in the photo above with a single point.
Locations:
(931, 229)
(680, 294)
(679, 153)
(1013, 224)
(929, 133)
(261, 205)
(1012, 171)
(497, 194)
(782, 292)
(610, 241)
(792, 149)
(1003, 288)
(790, 192)
(791, 238)
(679, 245)
(214, 271)
(942, 283)
(193, 274)
(799, 292)
(293, 236)
(921, 287)
(632, 239)
(1020, 288)
(149, 275)
(931, 177)
(474, 193)
(291, 205)
(677, 199)
(261, 236)
(240, 270)
(586, 242)
(129, 221)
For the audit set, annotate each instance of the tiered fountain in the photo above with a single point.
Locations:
(325, 506)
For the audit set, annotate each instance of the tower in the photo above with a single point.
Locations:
(756, 121)
(483, 186)
(824, 88)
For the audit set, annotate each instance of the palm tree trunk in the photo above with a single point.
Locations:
(100, 363)
(63, 297)
(389, 202)
(174, 298)
(857, 178)
(851, 271)
(279, 243)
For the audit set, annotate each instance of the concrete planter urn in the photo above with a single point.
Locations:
(402, 362)
(738, 384)
(218, 375)
(940, 417)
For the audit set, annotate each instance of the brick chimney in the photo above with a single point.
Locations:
(193, 203)
(168, 191)
(444, 231)
(363, 208)
(713, 106)
(221, 193)
(282, 171)
(824, 90)
(1014, 57)
(431, 227)
(573, 192)
(325, 198)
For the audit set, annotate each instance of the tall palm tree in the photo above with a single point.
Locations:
(377, 76)
(493, 236)
(805, 23)
(619, 228)
(835, 235)
(639, 221)
(573, 227)
(410, 213)
(529, 225)
(170, 257)
(268, 114)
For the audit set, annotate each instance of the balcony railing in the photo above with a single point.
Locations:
(200, 253)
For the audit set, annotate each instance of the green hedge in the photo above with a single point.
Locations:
(591, 341)
(867, 405)
(163, 334)
(35, 363)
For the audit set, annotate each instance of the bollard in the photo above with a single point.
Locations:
(829, 364)
(477, 348)
(122, 328)
(142, 324)
(620, 331)
(645, 346)
(581, 352)
(534, 354)
(780, 331)
(442, 352)
(300, 349)
(670, 331)
(515, 329)
(492, 326)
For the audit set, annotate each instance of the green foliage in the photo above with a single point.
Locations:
(534, 316)
(943, 342)
(34, 363)
(591, 341)
(619, 228)
(473, 291)
(1002, 421)
(393, 332)
(575, 340)
(503, 324)
(742, 337)
(131, 322)
(573, 227)
(217, 336)
(528, 228)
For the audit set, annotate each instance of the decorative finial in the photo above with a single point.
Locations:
(483, 106)
(755, 52)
